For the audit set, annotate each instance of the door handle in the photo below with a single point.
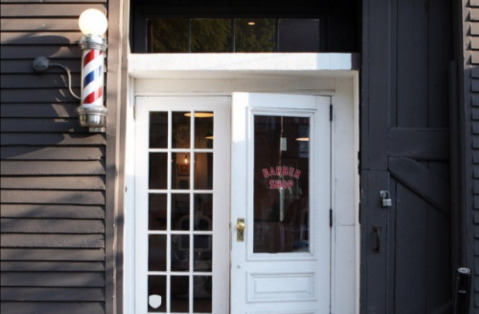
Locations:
(240, 226)
(377, 232)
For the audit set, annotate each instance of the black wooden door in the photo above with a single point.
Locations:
(406, 261)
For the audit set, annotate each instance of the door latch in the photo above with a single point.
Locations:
(385, 198)
(240, 226)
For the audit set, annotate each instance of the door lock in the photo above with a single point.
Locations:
(240, 226)
(385, 198)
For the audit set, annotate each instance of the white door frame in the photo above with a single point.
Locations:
(336, 77)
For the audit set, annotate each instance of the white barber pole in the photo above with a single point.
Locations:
(92, 112)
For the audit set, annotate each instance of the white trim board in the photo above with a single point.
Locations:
(235, 65)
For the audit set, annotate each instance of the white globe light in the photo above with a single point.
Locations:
(93, 22)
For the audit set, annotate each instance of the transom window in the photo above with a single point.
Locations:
(180, 35)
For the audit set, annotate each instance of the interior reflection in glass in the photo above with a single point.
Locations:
(281, 184)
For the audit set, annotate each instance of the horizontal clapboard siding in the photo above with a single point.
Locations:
(51, 153)
(35, 110)
(52, 211)
(59, 255)
(53, 307)
(30, 52)
(35, 139)
(25, 66)
(51, 167)
(52, 170)
(55, 183)
(52, 266)
(53, 226)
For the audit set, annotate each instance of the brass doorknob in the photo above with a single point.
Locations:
(240, 225)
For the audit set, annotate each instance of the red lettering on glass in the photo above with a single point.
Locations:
(291, 171)
(265, 173)
(271, 171)
(281, 171)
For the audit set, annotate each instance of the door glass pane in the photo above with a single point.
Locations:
(180, 252)
(180, 289)
(203, 129)
(157, 212)
(157, 294)
(158, 129)
(203, 250)
(281, 184)
(255, 35)
(157, 252)
(203, 207)
(180, 212)
(181, 130)
(158, 170)
(202, 294)
(203, 171)
(180, 179)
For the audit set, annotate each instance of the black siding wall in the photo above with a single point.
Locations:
(52, 170)
(469, 96)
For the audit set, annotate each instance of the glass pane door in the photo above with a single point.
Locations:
(179, 218)
(281, 199)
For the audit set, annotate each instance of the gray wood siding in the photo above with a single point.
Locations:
(53, 173)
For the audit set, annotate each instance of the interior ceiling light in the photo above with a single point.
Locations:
(200, 114)
(302, 139)
(251, 23)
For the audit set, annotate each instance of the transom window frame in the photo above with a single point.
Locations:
(141, 15)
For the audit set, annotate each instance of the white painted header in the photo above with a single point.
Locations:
(219, 65)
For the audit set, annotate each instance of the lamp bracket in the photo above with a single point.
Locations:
(41, 64)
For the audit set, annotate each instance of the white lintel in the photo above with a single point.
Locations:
(224, 65)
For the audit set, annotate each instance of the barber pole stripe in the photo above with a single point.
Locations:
(92, 89)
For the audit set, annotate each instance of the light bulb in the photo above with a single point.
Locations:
(93, 22)
(186, 159)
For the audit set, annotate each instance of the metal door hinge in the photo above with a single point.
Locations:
(331, 112)
(330, 218)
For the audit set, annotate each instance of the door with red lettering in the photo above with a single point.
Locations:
(281, 195)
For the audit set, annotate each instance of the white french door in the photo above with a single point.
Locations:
(182, 204)
(280, 204)
(265, 249)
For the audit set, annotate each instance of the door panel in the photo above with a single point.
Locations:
(280, 204)
(182, 204)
